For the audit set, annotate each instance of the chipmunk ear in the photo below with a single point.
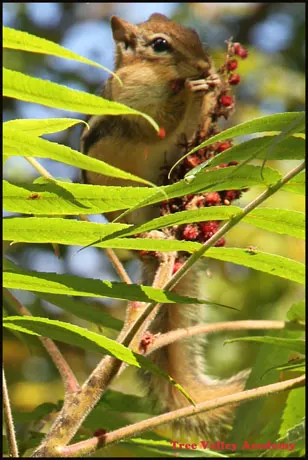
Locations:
(158, 17)
(122, 31)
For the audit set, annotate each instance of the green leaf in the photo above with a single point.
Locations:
(262, 261)
(292, 148)
(68, 231)
(290, 344)
(73, 199)
(56, 230)
(184, 217)
(296, 436)
(31, 89)
(294, 411)
(282, 221)
(81, 337)
(82, 233)
(86, 310)
(118, 401)
(297, 184)
(268, 263)
(220, 179)
(62, 198)
(297, 365)
(36, 414)
(40, 126)
(16, 142)
(250, 415)
(19, 40)
(279, 122)
(73, 285)
(297, 312)
(165, 447)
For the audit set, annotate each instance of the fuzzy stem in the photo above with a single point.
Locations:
(8, 420)
(209, 243)
(85, 447)
(70, 382)
(178, 334)
(73, 414)
(118, 266)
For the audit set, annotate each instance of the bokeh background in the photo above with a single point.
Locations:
(272, 82)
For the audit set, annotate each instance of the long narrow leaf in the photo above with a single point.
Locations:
(31, 89)
(278, 122)
(20, 40)
(73, 199)
(81, 337)
(20, 143)
(40, 126)
(73, 285)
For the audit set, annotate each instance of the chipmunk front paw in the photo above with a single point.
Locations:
(203, 84)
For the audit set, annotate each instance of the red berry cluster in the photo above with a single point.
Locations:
(225, 102)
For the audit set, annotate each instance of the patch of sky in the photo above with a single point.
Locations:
(139, 12)
(90, 39)
(89, 263)
(273, 34)
(9, 14)
(42, 261)
(272, 105)
(47, 15)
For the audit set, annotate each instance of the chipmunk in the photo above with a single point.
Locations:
(167, 74)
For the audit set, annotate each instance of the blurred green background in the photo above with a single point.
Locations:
(272, 82)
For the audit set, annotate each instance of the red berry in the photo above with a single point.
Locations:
(232, 65)
(240, 51)
(208, 229)
(233, 163)
(220, 242)
(224, 146)
(212, 199)
(226, 100)
(177, 266)
(234, 79)
(161, 133)
(192, 160)
(231, 195)
(190, 232)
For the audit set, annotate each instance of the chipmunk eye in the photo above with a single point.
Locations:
(160, 44)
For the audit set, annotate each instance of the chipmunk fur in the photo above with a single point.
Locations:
(167, 74)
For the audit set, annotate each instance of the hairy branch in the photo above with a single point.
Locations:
(70, 382)
(178, 334)
(75, 411)
(85, 447)
(8, 420)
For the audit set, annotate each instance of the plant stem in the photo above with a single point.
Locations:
(209, 243)
(70, 382)
(85, 447)
(178, 334)
(118, 266)
(8, 420)
(74, 412)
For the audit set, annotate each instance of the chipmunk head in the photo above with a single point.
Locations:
(160, 41)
